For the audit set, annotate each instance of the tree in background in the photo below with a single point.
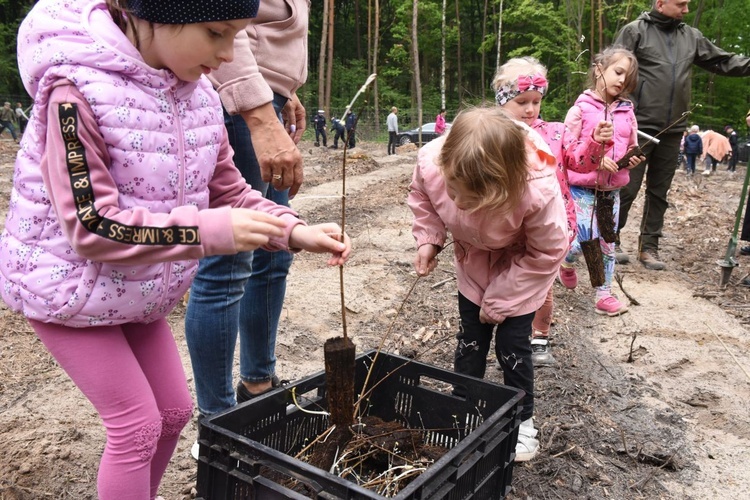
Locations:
(453, 73)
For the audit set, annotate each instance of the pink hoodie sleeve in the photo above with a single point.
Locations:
(582, 153)
(427, 226)
(212, 227)
(240, 84)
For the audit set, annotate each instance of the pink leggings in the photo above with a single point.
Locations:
(133, 376)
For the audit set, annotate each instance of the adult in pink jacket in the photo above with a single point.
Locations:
(242, 296)
(715, 148)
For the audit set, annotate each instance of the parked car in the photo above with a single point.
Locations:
(428, 134)
(743, 149)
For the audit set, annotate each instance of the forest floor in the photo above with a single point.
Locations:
(651, 404)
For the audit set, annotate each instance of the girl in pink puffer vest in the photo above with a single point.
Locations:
(125, 179)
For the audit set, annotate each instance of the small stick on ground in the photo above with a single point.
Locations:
(730, 352)
(605, 368)
(630, 356)
(619, 279)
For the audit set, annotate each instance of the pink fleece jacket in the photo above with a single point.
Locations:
(270, 55)
(505, 262)
(583, 153)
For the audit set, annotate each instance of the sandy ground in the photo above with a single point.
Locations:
(651, 404)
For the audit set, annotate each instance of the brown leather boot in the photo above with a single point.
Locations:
(650, 260)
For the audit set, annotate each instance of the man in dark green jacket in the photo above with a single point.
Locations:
(666, 49)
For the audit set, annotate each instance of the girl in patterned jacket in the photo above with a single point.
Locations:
(603, 129)
(520, 85)
(124, 180)
(507, 219)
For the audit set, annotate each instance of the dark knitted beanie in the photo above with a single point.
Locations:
(193, 11)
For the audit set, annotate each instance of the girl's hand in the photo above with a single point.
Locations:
(425, 261)
(635, 161)
(608, 164)
(322, 238)
(252, 229)
(603, 132)
(484, 318)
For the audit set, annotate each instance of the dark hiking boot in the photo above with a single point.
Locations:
(621, 255)
(650, 260)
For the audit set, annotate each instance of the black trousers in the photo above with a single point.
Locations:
(658, 169)
(321, 132)
(512, 347)
(338, 134)
(392, 142)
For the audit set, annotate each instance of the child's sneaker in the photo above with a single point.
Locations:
(610, 306)
(568, 277)
(527, 445)
(540, 352)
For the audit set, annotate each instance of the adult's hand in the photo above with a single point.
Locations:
(280, 160)
(295, 118)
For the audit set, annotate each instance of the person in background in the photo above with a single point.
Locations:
(117, 203)
(351, 129)
(715, 148)
(339, 131)
(392, 124)
(745, 233)
(440, 122)
(319, 124)
(681, 160)
(666, 48)
(734, 145)
(241, 296)
(7, 117)
(591, 157)
(507, 219)
(693, 148)
(21, 118)
(520, 85)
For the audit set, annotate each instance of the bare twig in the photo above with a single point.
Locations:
(630, 356)
(605, 368)
(619, 279)
(730, 352)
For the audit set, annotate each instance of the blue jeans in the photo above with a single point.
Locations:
(231, 294)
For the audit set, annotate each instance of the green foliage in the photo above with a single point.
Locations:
(556, 32)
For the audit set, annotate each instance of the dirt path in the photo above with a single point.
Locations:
(673, 423)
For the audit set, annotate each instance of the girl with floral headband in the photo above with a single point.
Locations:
(520, 85)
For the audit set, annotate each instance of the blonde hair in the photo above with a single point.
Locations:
(609, 56)
(509, 72)
(485, 151)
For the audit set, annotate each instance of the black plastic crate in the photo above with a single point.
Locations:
(245, 451)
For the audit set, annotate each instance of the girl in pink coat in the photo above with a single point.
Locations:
(603, 129)
(507, 219)
(123, 181)
(520, 85)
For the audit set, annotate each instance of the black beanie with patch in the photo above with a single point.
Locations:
(193, 11)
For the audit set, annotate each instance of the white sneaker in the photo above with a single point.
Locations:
(195, 450)
(527, 445)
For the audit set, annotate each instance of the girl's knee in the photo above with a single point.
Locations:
(173, 420)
